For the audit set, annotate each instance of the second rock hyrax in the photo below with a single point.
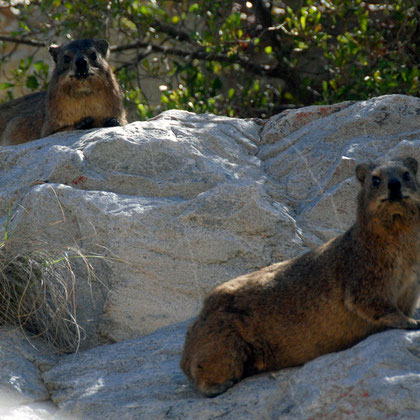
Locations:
(83, 93)
(326, 300)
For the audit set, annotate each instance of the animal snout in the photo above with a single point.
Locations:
(394, 187)
(81, 67)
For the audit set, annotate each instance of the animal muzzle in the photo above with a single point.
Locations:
(394, 190)
(82, 68)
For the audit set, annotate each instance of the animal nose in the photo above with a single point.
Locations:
(81, 65)
(394, 187)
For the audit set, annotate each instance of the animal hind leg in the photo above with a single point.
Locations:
(218, 364)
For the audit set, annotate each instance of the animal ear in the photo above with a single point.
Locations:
(411, 164)
(361, 171)
(103, 47)
(54, 50)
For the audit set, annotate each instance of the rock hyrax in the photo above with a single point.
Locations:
(83, 93)
(326, 300)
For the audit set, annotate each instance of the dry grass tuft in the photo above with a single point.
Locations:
(38, 289)
(38, 293)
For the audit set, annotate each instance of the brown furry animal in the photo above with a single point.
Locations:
(326, 300)
(83, 93)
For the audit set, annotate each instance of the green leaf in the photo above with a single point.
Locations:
(194, 8)
(32, 82)
(6, 85)
(40, 66)
(217, 83)
(363, 22)
(303, 22)
(288, 96)
(24, 26)
(146, 64)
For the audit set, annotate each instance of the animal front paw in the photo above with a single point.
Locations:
(84, 124)
(406, 324)
(111, 122)
(413, 324)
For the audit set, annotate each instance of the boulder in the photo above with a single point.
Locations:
(23, 393)
(177, 205)
(312, 164)
(183, 202)
(141, 379)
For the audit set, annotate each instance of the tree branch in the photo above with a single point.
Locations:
(171, 31)
(22, 41)
(199, 54)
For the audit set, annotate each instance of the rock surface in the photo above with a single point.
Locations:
(23, 393)
(179, 204)
(188, 201)
(141, 379)
(181, 199)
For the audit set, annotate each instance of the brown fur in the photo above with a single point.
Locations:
(359, 283)
(71, 101)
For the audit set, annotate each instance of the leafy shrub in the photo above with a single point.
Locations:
(237, 58)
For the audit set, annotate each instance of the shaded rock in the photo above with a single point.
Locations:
(22, 359)
(141, 379)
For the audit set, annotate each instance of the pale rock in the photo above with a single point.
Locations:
(22, 391)
(313, 166)
(141, 379)
(179, 204)
(183, 202)
(285, 123)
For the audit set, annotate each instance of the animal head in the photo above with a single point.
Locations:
(390, 191)
(79, 63)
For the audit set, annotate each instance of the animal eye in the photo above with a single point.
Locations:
(406, 176)
(93, 56)
(376, 181)
(66, 59)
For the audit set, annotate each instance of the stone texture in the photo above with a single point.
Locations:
(23, 393)
(285, 123)
(313, 166)
(141, 378)
(183, 202)
(179, 204)
(181, 199)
